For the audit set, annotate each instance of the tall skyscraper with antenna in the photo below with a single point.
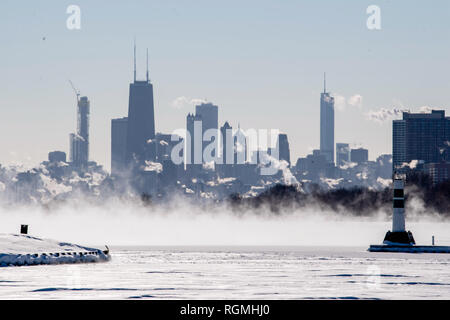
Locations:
(141, 117)
(326, 123)
(79, 141)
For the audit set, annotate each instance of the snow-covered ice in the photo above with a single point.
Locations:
(237, 273)
(284, 265)
(23, 250)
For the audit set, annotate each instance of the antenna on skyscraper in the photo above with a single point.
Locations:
(134, 59)
(324, 82)
(147, 65)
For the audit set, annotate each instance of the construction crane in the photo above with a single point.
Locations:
(77, 92)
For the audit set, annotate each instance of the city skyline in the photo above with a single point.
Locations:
(289, 105)
(207, 150)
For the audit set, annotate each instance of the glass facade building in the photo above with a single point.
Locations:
(421, 136)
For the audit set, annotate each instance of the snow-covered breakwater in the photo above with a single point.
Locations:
(24, 250)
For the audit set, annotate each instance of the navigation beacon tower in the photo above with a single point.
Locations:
(399, 235)
(400, 240)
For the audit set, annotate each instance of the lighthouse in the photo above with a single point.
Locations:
(399, 235)
(398, 239)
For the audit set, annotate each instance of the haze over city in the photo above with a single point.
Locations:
(260, 62)
(257, 149)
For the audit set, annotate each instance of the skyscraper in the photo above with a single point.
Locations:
(57, 156)
(194, 144)
(227, 138)
(83, 125)
(240, 146)
(283, 148)
(76, 142)
(398, 143)
(119, 128)
(421, 136)
(79, 141)
(164, 146)
(209, 117)
(327, 124)
(227, 149)
(209, 113)
(359, 155)
(342, 153)
(141, 117)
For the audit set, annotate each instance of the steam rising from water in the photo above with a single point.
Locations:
(182, 223)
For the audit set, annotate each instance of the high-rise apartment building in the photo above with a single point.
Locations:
(421, 136)
(79, 141)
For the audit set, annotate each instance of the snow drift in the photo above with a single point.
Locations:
(23, 250)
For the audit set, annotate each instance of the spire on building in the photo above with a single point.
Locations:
(324, 82)
(134, 59)
(147, 66)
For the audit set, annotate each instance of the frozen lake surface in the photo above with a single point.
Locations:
(236, 273)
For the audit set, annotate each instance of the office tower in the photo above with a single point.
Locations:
(79, 141)
(227, 151)
(83, 125)
(119, 128)
(421, 136)
(314, 166)
(438, 172)
(76, 151)
(164, 146)
(57, 156)
(384, 166)
(398, 143)
(226, 133)
(169, 174)
(283, 148)
(194, 151)
(141, 118)
(342, 153)
(240, 147)
(359, 155)
(256, 155)
(327, 124)
(209, 115)
(301, 165)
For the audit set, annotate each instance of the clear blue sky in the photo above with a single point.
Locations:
(261, 62)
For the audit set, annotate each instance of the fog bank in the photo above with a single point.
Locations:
(182, 223)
